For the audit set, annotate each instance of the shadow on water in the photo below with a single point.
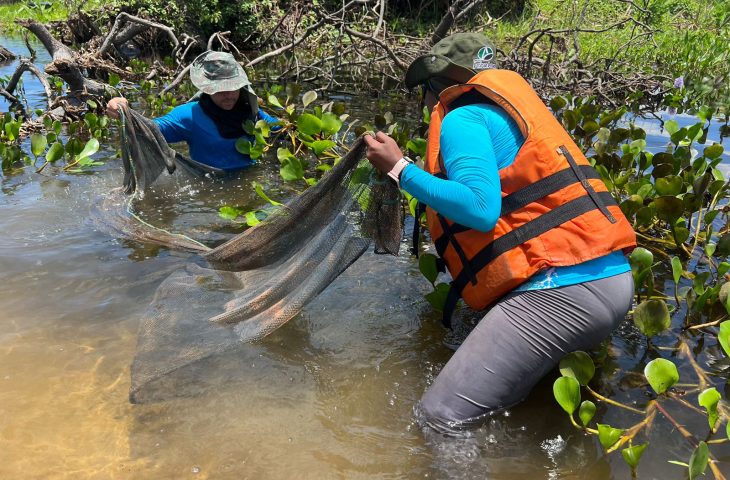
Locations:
(329, 395)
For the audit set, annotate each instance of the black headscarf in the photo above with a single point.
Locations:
(228, 122)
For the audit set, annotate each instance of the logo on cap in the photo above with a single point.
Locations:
(483, 59)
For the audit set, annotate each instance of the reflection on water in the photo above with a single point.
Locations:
(329, 395)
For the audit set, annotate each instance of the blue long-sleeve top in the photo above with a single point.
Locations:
(189, 123)
(477, 141)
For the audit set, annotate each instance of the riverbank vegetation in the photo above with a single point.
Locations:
(595, 64)
(613, 49)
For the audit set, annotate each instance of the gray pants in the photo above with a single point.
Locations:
(522, 338)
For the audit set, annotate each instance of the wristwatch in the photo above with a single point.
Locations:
(397, 169)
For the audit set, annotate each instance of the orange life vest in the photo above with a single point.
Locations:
(556, 210)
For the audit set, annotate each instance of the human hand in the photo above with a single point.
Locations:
(112, 108)
(383, 151)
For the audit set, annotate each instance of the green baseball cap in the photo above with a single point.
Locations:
(212, 72)
(458, 57)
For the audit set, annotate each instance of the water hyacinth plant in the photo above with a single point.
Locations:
(676, 200)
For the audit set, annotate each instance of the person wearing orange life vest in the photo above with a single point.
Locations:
(522, 222)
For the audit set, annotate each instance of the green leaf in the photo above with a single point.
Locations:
(668, 208)
(671, 127)
(566, 391)
(586, 412)
(722, 269)
(437, 298)
(694, 132)
(274, 101)
(243, 145)
(641, 258)
(714, 151)
(427, 264)
(92, 104)
(91, 147)
(331, 124)
(251, 219)
(633, 454)
(38, 144)
(417, 146)
(676, 269)
(698, 461)
(292, 169)
(309, 97)
(426, 115)
(557, 103)
(681, 235)
(114, 79)
(283, 154)
(669, 185)
(319, 146)
(578, 365)
(652, 317)
(608, 435)
(229, 213)
(260, 192)
(12, 130)
(709, 399)
(308, 124)
(678, 136)
(661, 374)
(55, 152)
(724, 336)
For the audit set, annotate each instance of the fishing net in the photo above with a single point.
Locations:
(255, 282)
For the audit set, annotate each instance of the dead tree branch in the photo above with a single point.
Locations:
(115, 37)
(457, 10)
(65, 63)
(6, 55)
(288, 47)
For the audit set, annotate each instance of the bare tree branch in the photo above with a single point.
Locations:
(288, 47)
(125, 17)
(6, 55)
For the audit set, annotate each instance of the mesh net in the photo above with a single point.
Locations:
(255, 282)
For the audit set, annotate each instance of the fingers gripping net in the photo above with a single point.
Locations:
(249, 286)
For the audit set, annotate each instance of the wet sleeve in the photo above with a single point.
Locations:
(471, 195)
(173, 125)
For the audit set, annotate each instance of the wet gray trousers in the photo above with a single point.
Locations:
(522, 338)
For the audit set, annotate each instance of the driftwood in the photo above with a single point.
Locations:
(65, 63)
(26, 65)
(6, 55)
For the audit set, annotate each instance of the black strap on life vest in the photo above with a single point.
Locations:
(538, 226)
(530, 230)
(586, 184)
(525, 196)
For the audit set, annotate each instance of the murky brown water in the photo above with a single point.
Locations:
(329, 395)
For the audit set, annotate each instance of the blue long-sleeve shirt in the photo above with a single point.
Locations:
(189, 123)
(477, 141)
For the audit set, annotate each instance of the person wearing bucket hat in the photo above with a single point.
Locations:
(212, 121)
(521, 221)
